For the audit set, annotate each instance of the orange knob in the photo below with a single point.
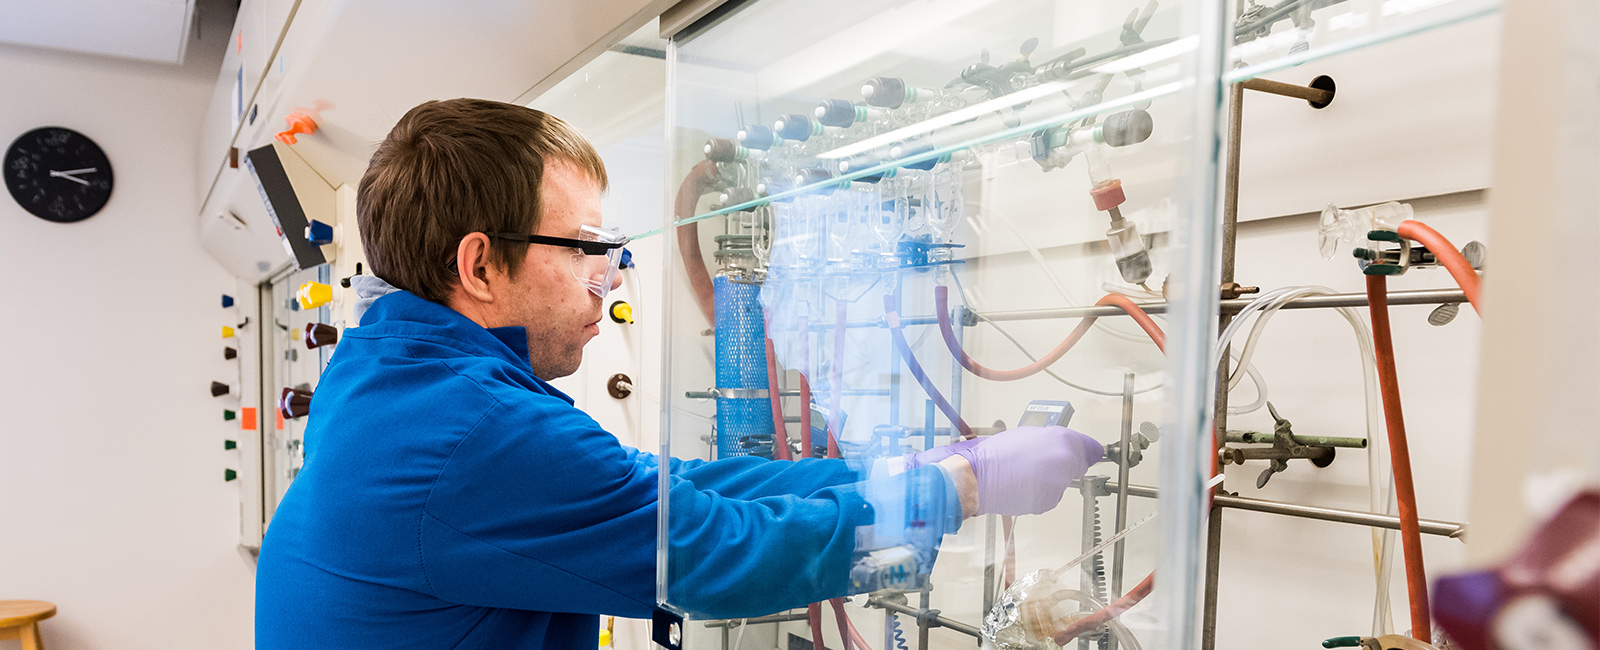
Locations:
(298, 123)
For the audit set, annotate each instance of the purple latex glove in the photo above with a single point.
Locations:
(931, 456)
(1024, 471)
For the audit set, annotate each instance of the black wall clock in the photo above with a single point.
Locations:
(58, 174)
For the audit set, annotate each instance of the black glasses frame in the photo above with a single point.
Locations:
(588, 246)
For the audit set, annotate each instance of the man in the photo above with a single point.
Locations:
(451, 498)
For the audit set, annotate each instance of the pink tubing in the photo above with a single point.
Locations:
(805, 390)
(836, 380)
(892, 319)
(941, 299)
(780, 430)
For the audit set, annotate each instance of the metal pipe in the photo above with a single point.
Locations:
(1230, 237)
(1254, 438)
(1122, 496)
(923, 620)
(1090, 488)
(770, 618)
(1417, 297)
(926, 618)
(1313, 95)
(1429, 526)
(988, 563)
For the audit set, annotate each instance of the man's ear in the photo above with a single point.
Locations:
(473, 267)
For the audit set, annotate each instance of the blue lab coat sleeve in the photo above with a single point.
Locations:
(750, 477)
(553, 507)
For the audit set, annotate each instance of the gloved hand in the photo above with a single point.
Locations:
(1024, 471)
(931, 456)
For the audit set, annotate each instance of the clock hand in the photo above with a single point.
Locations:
(85, 170)
(70, 177)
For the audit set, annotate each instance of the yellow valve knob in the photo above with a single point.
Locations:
(313, 295)
(621, 312)
(227, 332)
(605, 638)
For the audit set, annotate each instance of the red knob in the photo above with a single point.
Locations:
(1108, 195)
(294, 403)
(299, 123)
(317, 335)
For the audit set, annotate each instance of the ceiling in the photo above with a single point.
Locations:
(147, 30)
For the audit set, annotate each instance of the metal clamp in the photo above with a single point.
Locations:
(1285, 447)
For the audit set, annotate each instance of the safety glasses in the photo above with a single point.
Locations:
(595, 254)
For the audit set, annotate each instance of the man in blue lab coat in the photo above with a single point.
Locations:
(451, 498)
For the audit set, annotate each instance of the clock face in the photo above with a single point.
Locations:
(58, 174)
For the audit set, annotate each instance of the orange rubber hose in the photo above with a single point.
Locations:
(814, 618)
(1450, 258)
(843, 622)
(860, 642)
(1115, 609)
(699, 181)
(941, 299)
(1399, 457)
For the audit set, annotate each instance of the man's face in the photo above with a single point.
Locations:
(560, 314)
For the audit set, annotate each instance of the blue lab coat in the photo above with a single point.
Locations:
(450, 499)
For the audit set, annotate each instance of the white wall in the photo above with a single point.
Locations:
(111, 451)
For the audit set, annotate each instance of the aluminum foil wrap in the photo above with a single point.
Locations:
(1025, 615)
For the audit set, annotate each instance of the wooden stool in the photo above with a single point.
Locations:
(19, 619)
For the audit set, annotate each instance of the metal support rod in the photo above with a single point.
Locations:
(771, 618)
(1416, 297)
(1313, 95)
(1230, 237)
(874, 392)
(1117, 552)
(1254, 438)
(1093, 582)
(1338, 515)
(989, 525)
(926, 618)
(924, 622)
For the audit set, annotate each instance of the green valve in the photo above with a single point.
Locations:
(1382, 269)
(229, 475)
(228, 415)
(1383, 235)
(229, 444)
(1343, 642)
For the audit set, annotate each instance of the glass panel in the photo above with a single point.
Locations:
(897, 218)
(618, 102)
(1270, 37)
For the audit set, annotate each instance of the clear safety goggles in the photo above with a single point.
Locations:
(595, 254)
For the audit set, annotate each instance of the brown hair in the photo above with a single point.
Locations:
(451, 168)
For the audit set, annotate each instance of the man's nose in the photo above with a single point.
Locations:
(616, 281)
